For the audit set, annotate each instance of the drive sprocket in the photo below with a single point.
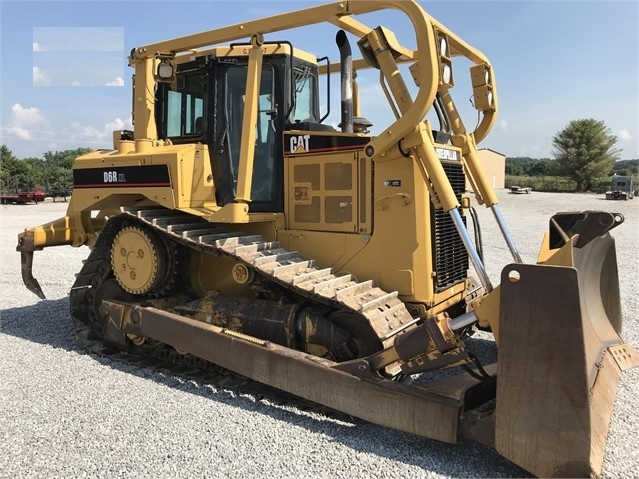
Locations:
(140, 260)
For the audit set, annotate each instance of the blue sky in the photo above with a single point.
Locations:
(65, 82)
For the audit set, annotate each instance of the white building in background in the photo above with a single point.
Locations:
(495, 167)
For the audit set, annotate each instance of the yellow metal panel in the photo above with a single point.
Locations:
(189, 170)
(392, 247)
(323, 192)
(196, 187)
(398, 280)
(243, 51)
(144, 100)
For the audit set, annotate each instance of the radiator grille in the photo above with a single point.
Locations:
(450, 256)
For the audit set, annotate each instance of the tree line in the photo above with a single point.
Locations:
(527, 166)
(51, 173)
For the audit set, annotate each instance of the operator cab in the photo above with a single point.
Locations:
(205, 104)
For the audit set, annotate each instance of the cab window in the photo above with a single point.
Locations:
(183, 112)
(305, 95)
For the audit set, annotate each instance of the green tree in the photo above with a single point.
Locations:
(54, 171)
(15, 174)
(8, 166)
(541, 168)
(585, 152)
(625, 168)
(514, 169)
(65, 158)
(520, 165)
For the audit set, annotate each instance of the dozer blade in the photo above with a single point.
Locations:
(560, 357)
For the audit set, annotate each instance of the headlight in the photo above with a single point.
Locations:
(165, 70)
(447, 73)
(443, 46)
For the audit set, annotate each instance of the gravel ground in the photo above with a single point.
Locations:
(69, 414)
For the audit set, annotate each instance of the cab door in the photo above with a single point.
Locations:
(231, 88)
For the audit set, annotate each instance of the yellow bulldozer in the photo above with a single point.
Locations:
(234, 227)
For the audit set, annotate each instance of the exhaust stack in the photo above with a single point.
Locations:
(346, 76)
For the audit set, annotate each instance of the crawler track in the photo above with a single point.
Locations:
(386, 314)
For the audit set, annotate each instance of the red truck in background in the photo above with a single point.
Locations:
(22, 198)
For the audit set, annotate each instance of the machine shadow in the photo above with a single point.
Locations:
(46, 322)
(361, 436)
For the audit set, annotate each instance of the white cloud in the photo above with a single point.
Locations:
(26, 116)
(503, 124)
(37, 47)
(39, 77)
(118, 81)
(25, 120)
(624, 135)
(76, 83)
(88, 130)
(19, 132)
(85, 132)
(28, 132)
(119, 124)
